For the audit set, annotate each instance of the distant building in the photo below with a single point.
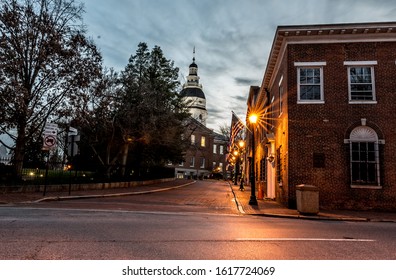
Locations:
(206, 156)
(328, 101)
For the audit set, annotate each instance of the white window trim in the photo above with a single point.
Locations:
(365, 135)
(280, 92)
(319, 65)
(360, 63)
(203, 162)
(364, 64)
(307, 64)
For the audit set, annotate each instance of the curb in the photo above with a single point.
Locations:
(314, 218)
(61, 198)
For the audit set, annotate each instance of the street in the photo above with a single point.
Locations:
(181, 227)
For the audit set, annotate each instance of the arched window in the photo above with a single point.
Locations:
(364, 157)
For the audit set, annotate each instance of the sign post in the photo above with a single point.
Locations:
(50, 134)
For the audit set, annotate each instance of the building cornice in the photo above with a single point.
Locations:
(326, 33)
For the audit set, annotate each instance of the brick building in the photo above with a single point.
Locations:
(327, 105)
(206, 154)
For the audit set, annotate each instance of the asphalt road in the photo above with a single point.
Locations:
(213, 197)
(180, 227)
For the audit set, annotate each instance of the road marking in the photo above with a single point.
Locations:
(239, 205)
(307, 239)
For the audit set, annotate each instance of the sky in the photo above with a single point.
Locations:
(232, 38)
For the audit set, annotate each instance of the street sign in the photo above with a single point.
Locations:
(72, 131)
(49, 136)
(49, 142)
(50, 129)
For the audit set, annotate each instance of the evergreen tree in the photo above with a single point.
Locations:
(153, 112)
(134, 120)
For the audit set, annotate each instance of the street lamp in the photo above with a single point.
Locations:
(253, 200)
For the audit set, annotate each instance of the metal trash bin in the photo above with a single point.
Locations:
(307, 199)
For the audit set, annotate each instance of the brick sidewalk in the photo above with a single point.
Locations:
(272, 208)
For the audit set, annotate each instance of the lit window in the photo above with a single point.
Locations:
(192, 139)
(203, 141)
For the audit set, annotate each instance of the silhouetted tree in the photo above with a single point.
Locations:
(46, 64)
(153, 113)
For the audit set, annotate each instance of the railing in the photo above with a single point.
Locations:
(59, 173)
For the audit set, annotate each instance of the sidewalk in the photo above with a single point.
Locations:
(273, 209)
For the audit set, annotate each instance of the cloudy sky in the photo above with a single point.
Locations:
(232, 38)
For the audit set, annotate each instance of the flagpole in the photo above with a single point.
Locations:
(247, 128)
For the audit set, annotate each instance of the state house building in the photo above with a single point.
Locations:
(328, 115)
(206, 154)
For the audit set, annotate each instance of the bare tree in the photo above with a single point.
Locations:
(46, 63)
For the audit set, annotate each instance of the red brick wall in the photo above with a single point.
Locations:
(322, 128)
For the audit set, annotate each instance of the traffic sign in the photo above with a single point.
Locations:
(49, 142)
(50, 129)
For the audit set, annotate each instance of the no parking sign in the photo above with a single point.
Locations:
(49, 142)
(50, 133)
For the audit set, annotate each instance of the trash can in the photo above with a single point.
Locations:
(307, 199)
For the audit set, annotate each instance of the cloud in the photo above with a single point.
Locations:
(245, 81)
(233, 38)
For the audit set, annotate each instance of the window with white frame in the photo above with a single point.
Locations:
(192, 161)
(202, 162)
(364, 157)
(192, 139)
(310, 82)
(280, 88)
(214, 148)
(361, 84)
(221, 149)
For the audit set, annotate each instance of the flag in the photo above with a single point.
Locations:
(236, 127)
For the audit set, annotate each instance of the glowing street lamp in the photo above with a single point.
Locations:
(253, 118)
(253, 200)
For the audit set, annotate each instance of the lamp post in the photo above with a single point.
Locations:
(236, 167)
(253, 200)
(241, 146)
